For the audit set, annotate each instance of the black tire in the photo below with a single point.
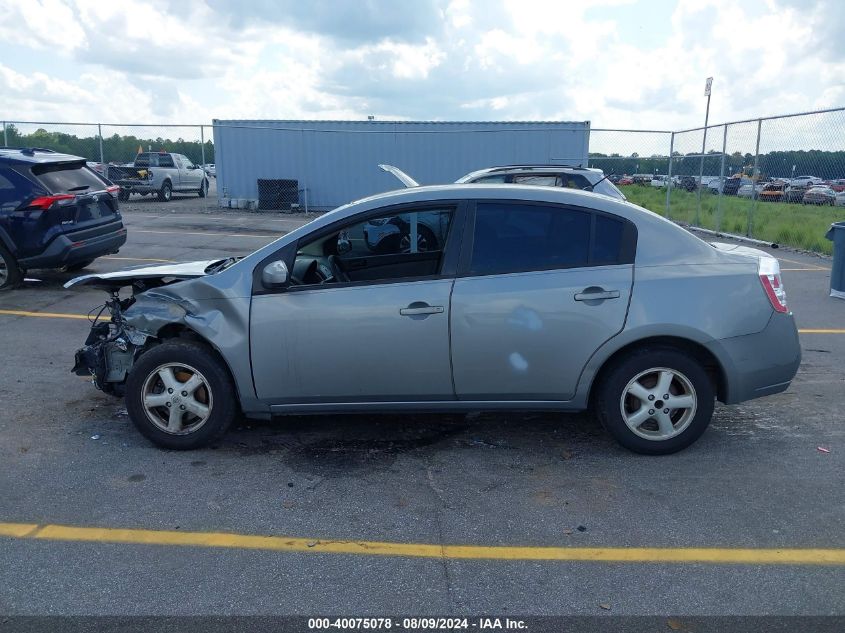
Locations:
(78, 266)
(220, 394)
(166, 192)
(122, 195)
(10, 274)
(609, 394)
(203, 188)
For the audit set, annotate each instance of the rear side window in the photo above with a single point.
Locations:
(515, 237)
(74, 178)
(14, 189)
(519, 237)
(547, 181)
(153, 160)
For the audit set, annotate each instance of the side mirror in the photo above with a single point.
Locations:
(343, 244)
(275, 274)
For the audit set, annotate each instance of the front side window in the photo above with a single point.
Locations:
(515, 237)
(392, 246)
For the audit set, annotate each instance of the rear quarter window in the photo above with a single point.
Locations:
(14, 189)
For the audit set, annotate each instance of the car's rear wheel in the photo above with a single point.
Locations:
(123, 195)
(166, 192)
(180, 396)
(10, 274)
(203, 192)
(655, 401)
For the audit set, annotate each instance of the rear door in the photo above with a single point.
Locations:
(540, 288)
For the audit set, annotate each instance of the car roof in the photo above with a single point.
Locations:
(35, 155)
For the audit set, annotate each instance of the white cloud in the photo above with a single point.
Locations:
(449, 59)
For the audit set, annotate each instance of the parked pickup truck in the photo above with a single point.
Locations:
(160, 173)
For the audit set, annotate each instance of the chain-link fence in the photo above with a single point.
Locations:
(777, 179)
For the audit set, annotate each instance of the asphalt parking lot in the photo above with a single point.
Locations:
(365, 513)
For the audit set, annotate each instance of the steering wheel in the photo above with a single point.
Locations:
(337, 272)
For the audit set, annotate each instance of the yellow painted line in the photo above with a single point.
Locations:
(747, 556)
(208, 234)
(815, 270)
(43, 315)
(820, 331)
(140, 259)
(17, 530)
(795, 261)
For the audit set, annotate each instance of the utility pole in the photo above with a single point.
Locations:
(707, 86)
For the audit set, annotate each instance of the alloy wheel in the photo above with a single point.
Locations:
(659, 403)
(177, 398)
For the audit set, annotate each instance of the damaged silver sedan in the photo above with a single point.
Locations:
(451, 298)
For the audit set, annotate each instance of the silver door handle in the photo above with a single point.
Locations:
(421, 310)
(597, 296)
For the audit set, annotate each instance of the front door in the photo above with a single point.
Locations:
(366, 319)
(546, 286)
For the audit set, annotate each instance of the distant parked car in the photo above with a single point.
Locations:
(583, 178)
(839, 201)
(732, 185)
(819, 195)
(837, 185)
(642, 179)
(689, 183)
(100, 168)
(55, 212)
(750, 190)
(625, 180)
(660, 181)
(805, 181)
(773, 192)
(210, 170)
(794, 194)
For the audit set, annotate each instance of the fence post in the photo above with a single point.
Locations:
(749, 232)
(721, 180)
(5, 138)
(669, 184)
(202, 145)
(100, 135)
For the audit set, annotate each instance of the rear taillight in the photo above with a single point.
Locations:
(769, 270)
(45, 202)
(113, 190)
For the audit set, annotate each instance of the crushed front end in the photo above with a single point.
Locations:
(111, 348)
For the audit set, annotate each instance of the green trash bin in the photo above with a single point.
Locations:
(836, 234)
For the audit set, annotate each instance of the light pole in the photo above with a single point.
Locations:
(707, 86)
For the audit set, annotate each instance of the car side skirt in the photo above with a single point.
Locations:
(426, 406)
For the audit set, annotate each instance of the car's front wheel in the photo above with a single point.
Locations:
(203, 190)
(180, 396)
(655, 401)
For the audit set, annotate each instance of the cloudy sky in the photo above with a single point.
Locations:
(616, 63)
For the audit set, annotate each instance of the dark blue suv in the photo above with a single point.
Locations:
(55, 212)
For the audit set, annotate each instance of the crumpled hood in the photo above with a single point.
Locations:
(120, 278)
